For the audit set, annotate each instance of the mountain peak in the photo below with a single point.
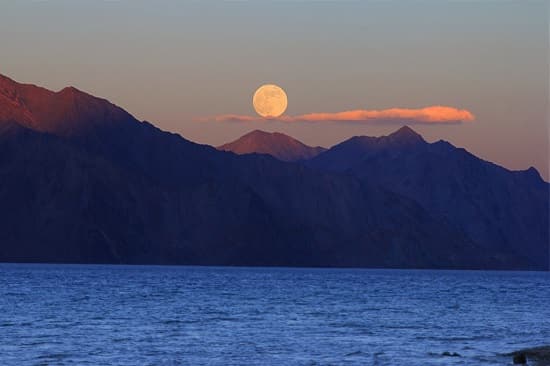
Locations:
(356, 149)
(403, 137)
(259, 134)
(267, 135)
(276, 144)
(534, 174)
(70, 90)
(67, 112)
(406, 133)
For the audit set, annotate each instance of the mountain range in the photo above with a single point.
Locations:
(495, 207)
(83, 181)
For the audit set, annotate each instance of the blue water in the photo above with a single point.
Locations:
(150, 315)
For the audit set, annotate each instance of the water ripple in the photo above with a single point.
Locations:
(150, 315)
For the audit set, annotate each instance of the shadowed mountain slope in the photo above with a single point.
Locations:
(493, 206)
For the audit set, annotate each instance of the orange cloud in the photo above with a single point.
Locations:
(428, 115)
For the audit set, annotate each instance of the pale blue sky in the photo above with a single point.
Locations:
(170, 61)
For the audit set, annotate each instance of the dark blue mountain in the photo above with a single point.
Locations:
(496, 208)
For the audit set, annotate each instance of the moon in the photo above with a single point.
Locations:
(270, 101)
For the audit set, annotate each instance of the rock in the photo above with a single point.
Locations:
(540, 356)
(449, 354)
(520, 359)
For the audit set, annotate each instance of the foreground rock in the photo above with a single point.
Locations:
(450, 354)
(539, 356)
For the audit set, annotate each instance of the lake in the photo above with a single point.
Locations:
(169, 315)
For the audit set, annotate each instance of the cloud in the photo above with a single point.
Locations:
(428, 115)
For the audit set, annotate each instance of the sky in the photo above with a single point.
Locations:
(180, 64)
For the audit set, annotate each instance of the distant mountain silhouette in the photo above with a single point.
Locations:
(493, 206)
(83, 181)
(276, 144)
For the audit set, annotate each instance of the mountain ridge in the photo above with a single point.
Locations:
(403, 138)
(123, 191)
(43, 110)
(493, 205)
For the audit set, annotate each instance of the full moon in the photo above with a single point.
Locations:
(270, 101)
